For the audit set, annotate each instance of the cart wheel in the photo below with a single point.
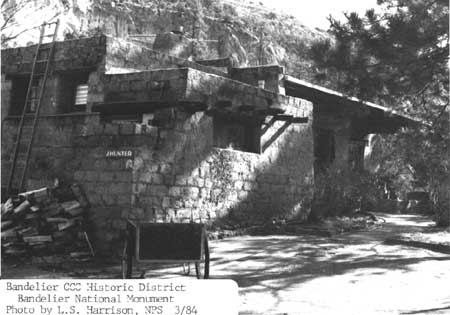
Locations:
(186, 269)
(127, 262)
(202, 267)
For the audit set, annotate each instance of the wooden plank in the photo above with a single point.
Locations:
(38, 239)
(56, 220)
(32, 216)
(299, 120)
(79, 254)
(7, 208)
(53, 210)
(70, 205)
(69, 223)
(6, 224)
(15, 251)
(29, 231)
(268, 125)
(11, 233)
(22, 208)
(276, 135)
(246, 108)
(38, 194)
(75, 212)
(284, 117)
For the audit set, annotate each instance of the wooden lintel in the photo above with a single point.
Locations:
(275, 135)
(292, 119)
(299, 120)
(246, 108)
(275, 110)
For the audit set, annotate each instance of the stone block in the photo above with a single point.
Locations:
(242, 195)
(176, 191)
(166, 202)
(208, 183)
(123, 199)
(248, 185)
(122, 176)
(78, 176)
(157, 179)
(124, 86)
(158, 190)
(169, 180)
(111, 129)
(166, 168)
(238, 185)
(126, 129)
(204, 193)
(137, 85)
(119, 188)
(137, 214)
(180, 180)
(138, 188)
(191, 191)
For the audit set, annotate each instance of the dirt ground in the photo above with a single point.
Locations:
(353, 273)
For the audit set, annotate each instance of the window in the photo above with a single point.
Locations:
(81, 95)
(18, 94)
(72, 92)
(236, 134)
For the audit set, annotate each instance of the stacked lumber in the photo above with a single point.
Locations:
(46, 222)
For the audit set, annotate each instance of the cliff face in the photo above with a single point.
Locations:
(249, 33)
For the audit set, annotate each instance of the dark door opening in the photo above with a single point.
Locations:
(324, 149)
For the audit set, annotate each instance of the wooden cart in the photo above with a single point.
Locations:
(166, 243)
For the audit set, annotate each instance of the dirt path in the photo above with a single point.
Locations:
(349, 274)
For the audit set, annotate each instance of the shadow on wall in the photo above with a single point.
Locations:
(185, 177)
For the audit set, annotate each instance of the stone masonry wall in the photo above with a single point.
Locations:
(271, 75)
(175, 173)
(69, 55)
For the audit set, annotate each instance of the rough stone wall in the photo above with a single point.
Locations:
(210, 89)
(48, 99)
(340, 124)
(184, 177)
(69, 55)
(5, 96)
(144, 85)
(271, 75)
(175, 173)
(53, 152)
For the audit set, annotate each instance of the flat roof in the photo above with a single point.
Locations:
(316, 93)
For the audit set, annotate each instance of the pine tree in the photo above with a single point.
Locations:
(399, 57)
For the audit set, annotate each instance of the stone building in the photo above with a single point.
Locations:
(152, 136)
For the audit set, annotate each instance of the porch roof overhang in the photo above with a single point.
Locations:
(370, 117)
(190, 88)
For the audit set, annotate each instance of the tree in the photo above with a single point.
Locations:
(22, 16)
(399, 57)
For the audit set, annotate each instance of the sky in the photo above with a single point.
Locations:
(313, 13)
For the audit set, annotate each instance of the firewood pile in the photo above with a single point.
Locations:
(46, 222)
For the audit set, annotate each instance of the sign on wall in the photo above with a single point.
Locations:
(119, 154)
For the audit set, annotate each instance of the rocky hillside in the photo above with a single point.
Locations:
(249, 33)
